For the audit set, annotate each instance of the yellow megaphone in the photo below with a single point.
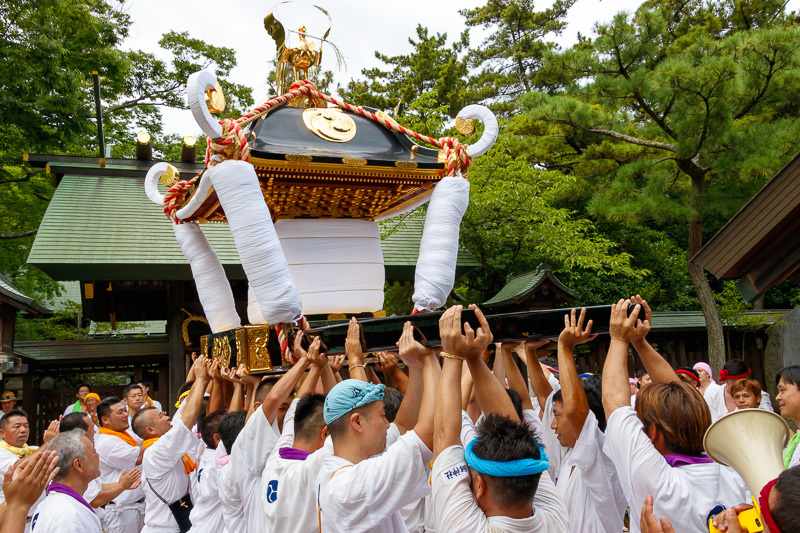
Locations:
(750, 441)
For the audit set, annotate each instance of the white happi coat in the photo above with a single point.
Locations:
(59, 513)
(162, 468)
(685, 494)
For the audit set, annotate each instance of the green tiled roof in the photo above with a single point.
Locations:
(688, 320)
(105, 228)
(519, 285)
(21, 301)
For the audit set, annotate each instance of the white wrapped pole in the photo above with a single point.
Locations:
(212, 283)
(438, 249)
(254, 315)
(236, 185)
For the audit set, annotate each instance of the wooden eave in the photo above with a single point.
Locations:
(762, 240)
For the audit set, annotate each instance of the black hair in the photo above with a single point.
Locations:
(516, 400)
(74, 421)
(309, 416)
(790, 375)
(736, 367)
(127, 390)
(784, 512)
(229, 428)
(691, 370)
(184, 388)
(147, 384)
(594, 397)
(264, 387)
(641, 373)
(550, 361)
(209, 426)
(11, 414)
(82, 385)
(138, 425)
(501, 439)
(392, 398)
(104, 407)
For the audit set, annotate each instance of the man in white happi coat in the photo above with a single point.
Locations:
(119, 452)
(361, 489)
(288, 484)
(64, 508)
(498, 482)
(14, 433)
(257, 441)
(166, 465)
(207, 513)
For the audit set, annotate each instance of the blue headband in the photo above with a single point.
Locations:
(348, 395)
(519, 467)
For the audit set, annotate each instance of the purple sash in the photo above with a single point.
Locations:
(676, 459)
(63, 489)
(293, 453)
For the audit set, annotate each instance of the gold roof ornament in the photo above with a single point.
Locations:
(299, 28)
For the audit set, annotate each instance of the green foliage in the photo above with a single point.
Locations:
(48, 50)
(515, 49)
(433, 67)
(513, 224)
(732, 310)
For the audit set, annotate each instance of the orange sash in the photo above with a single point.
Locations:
(188, 464)
(121, 434)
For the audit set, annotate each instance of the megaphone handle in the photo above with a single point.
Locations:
(750, 519)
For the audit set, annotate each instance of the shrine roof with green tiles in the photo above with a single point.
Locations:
(16, 298)
(538, 288)
(100, 225)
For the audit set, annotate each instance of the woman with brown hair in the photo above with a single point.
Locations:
(658, 448)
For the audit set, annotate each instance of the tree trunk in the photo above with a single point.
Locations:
(716, 337)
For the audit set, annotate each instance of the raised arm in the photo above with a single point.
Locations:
(514, 376)
(237, 398)
(389, 366)
(447, 417)
(616, 391)
(319, 361)
(541, 386)
(576, 406)
(283, 388)
(127, 481)
(413, 354)
(217, 399)
(659, 369)
(352, 347)
(194, 402)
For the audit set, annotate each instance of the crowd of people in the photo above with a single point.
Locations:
(452, 439)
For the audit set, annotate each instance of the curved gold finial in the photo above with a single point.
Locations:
(215, 99)
(170, 177)
(465, 126)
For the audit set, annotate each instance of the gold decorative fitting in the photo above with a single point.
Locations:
(354, 161)
(189, 141)
(204, 346)
(215, 99)
(337, 316)
(405, 164)
(379, 314)
(221, 351)
(298, 157)
(330, 124)
(170, 177)
(252, 348)
(465, 126)
(88, 290)
(415, 148)
(143, 137)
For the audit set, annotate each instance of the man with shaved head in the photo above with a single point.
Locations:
(166, 466)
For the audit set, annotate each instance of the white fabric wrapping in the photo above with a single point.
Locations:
(337, 264)
(254, 315)
(490, 128)
(212, 283)
(264, 263)
(151, 182)
(438, 249)
(196, 88)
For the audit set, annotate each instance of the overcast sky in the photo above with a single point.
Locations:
(359, 28)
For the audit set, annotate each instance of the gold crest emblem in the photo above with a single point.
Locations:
(330, 124)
